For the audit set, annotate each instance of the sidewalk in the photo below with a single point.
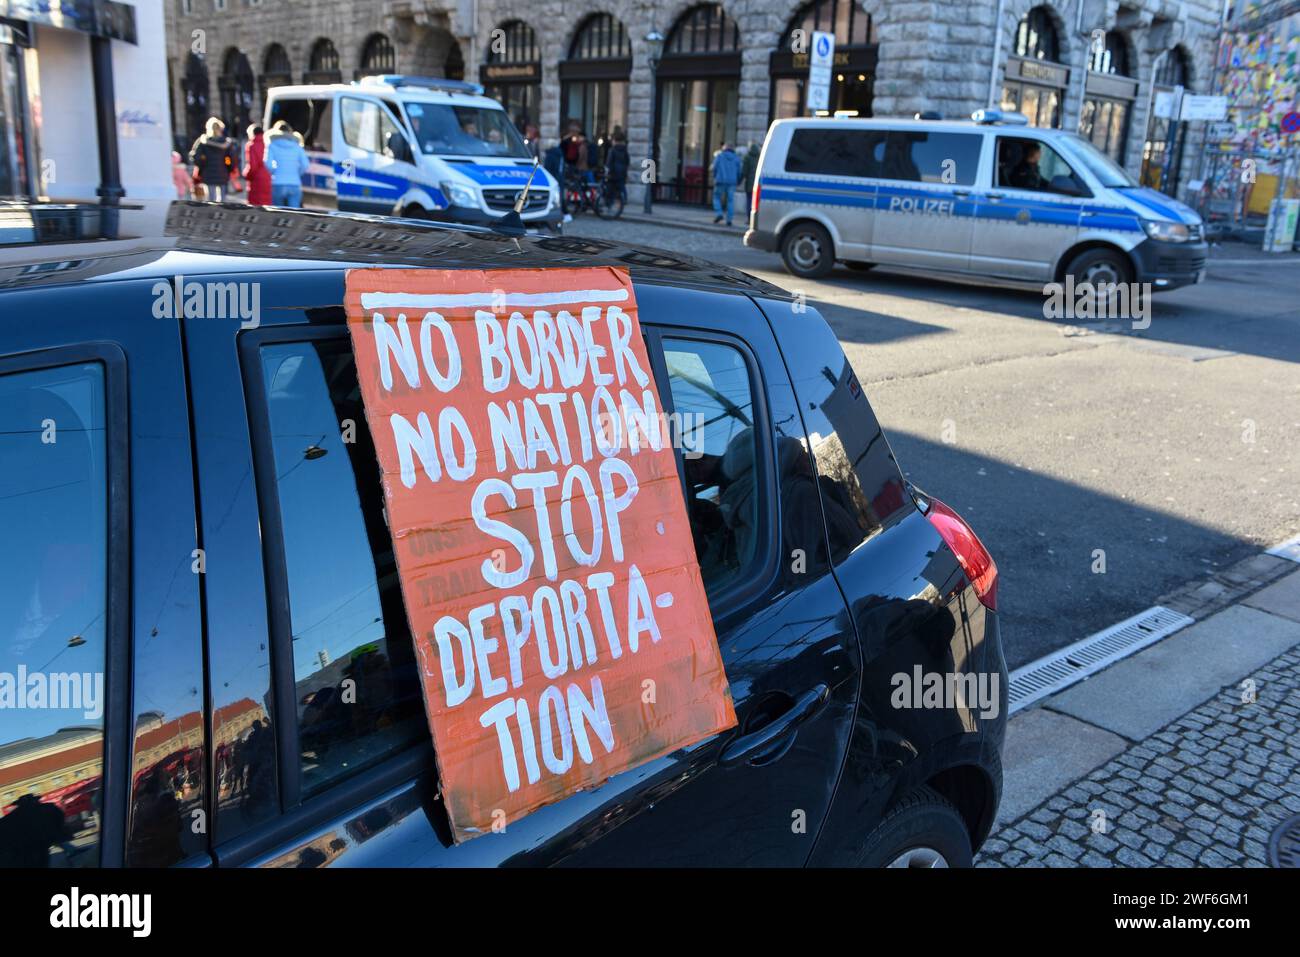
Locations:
(1187, 753)
(694, 218)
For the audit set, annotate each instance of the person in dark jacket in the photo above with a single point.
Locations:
(617, 164)
(726, 173)
(255, 171)
(213, 156)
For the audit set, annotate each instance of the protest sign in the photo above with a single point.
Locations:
(546, 560)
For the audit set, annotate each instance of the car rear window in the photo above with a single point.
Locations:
(832, 152)
(54, 592)
(356, 691)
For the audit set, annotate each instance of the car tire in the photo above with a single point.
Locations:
(923, 830)
(807, 251)
(415, 212)
(1100, 265)
(860, 267)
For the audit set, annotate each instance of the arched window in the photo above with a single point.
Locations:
(705, 28)
(1173, 70)
(1109, 56)
(454, 67)
(594, 79)
(323, 63)
(1162, 152)
(513, 42)
(698, 101)
(275, 68)
(377, 56)
(1108, 96)
(194, 89)
(1036, 36)
(236, 86)
(1035, 81)
(855, 59)
(513, 71)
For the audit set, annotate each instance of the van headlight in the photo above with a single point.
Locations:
(1167, 232)
(459, 195)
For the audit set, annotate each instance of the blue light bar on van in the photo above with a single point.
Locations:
(1005, 117)
(426, 83)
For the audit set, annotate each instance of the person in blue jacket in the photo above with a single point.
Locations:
(726, 174)
(287, 161)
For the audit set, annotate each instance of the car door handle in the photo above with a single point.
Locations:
(963, 193)
(994, 197)
(756, 743)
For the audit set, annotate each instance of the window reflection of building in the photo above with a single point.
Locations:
(853, 73)
(1036, 81)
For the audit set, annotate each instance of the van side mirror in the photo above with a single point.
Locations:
(397, 148)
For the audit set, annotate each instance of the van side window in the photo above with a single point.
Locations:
(832, 152)
(365, 124)
(923, 156)
(1027, 163)
(54, 591)
(714, 402)
(357, 694)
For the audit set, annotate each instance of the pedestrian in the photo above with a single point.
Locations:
(288, 163)
(180, 176)
(533, 142)
(213, 157)
(726, 173)
(255, 171)
(749, 174)
(617, 163)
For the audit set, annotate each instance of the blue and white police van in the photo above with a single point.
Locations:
(988, 198)
(423, 147)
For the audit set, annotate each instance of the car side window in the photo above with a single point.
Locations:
(356, 690)
(713, 400)
(54, 592)
(1027, 163)
(362, 122)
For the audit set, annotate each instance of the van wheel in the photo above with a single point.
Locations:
(923, 830)
(808, 251)
(415, 212)
(1100, 266)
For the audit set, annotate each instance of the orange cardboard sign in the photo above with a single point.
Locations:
(546, 560)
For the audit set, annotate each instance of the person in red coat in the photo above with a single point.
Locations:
(255, 171)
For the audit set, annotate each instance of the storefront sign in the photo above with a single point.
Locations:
(1039, 72)
(543, 548)
(520, 72)
(1204, 108)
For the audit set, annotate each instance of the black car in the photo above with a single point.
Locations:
(197, 558)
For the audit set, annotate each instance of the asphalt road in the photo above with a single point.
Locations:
(1175, 450)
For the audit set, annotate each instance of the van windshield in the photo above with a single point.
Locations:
(1099, 164)
(444, 129)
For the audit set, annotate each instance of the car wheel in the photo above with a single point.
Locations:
(923, 830)
(808, 251)
(861, 267)
(1100, 266)
(415, 212)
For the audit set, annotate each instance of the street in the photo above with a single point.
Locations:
(1103, 466)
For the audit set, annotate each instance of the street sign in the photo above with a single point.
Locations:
(1220, 130)
(1164, 104)
(820, 60)
(1204, 108)
(1291, 122)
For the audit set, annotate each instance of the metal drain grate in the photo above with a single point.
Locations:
(1063, 668)
(1288, 549)
(1284, 845)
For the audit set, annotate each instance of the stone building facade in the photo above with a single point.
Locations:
(723, 70)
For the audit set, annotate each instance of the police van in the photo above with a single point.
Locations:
(423, 147)
(991, 198)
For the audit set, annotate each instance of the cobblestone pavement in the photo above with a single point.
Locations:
(1206, 790)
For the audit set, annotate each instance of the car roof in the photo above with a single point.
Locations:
(901, 123)
(226, 239)
(412, 94)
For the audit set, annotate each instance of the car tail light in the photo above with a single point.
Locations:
(974, 558)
